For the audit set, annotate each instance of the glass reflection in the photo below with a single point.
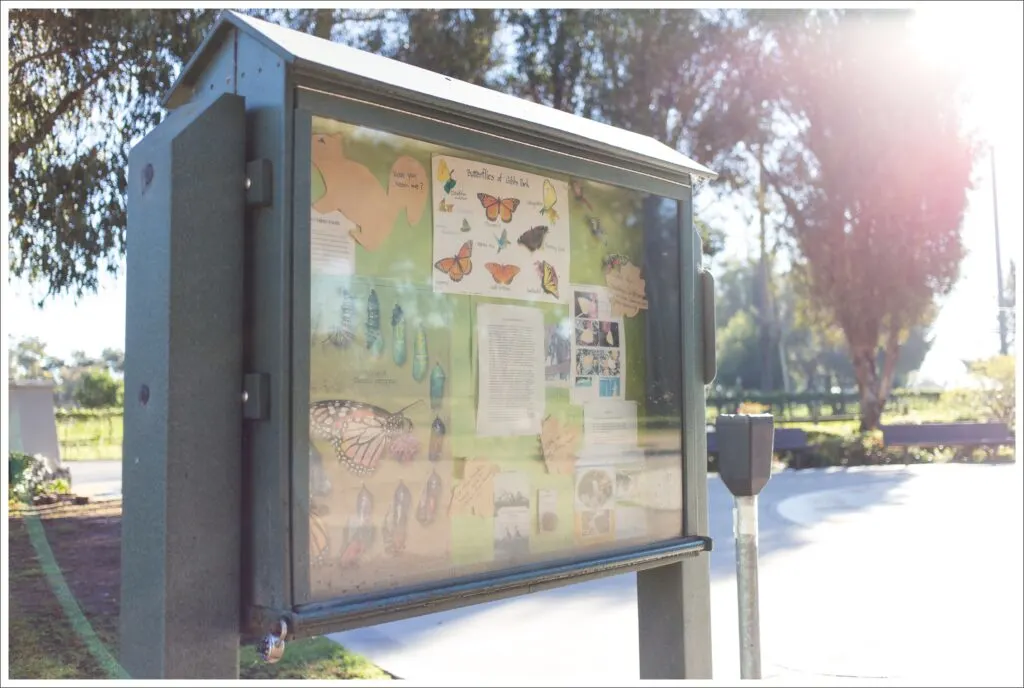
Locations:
(409, 482)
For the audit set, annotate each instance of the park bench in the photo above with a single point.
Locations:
(792, 440)
(958, 435)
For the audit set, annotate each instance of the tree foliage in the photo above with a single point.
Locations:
(84, 85)
(875, 183)
(99, 389)
(816, 354)
(996, 396)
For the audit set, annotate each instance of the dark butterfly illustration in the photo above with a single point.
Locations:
(533, 238)
(360, 433)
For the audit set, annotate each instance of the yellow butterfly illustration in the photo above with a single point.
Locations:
(548, 278)
(444, 175)
(548, 208)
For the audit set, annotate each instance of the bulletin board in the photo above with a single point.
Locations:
(479, 394)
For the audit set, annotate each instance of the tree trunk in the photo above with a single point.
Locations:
(869, 386)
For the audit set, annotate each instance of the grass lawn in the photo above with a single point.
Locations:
(44, 643)
(90, 439)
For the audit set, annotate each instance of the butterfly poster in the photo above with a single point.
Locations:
(498, 225)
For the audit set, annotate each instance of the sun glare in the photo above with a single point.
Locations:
(983, 41)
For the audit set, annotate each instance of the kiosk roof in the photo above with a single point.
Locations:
(349, 65)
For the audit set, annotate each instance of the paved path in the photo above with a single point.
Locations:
(95, 479)
(912, 574)
(899, 573)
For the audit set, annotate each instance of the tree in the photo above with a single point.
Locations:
(84, 85)
(874, 183)
(667, 73)
(98, 389)
(456, 43)
(28, 360)
(816, 352)
(114, 359)
(997, 396)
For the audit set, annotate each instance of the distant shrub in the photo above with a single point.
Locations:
(29, 476)
(826, 450)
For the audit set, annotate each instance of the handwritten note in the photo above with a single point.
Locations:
(409, 181)
(558, 444)
(353, 189)
(474, 494)
(628, 290)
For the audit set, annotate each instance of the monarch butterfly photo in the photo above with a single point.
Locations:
(548, 278)
(496, 208)
(533, 238)
(550, 198)
(444, 175)
(360, 433)
(459, 265)
(501, 273)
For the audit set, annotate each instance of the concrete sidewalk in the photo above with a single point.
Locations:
(915, 579)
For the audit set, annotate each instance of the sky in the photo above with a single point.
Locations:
(983, 38)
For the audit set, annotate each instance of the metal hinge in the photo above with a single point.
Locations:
(259, 179)
(256, 396)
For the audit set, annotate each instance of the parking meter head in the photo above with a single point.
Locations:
(745, 445)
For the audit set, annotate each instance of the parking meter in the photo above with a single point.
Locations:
(745, 465)
(745, 452)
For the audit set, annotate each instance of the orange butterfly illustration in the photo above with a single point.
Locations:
(495, 206)
(502, 274)
(459, 265)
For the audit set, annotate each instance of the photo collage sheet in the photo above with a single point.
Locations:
(472, 406)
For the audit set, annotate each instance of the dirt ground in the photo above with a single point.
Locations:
(86, 543)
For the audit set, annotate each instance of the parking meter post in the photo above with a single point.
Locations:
(745, 523)
(744, 464)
